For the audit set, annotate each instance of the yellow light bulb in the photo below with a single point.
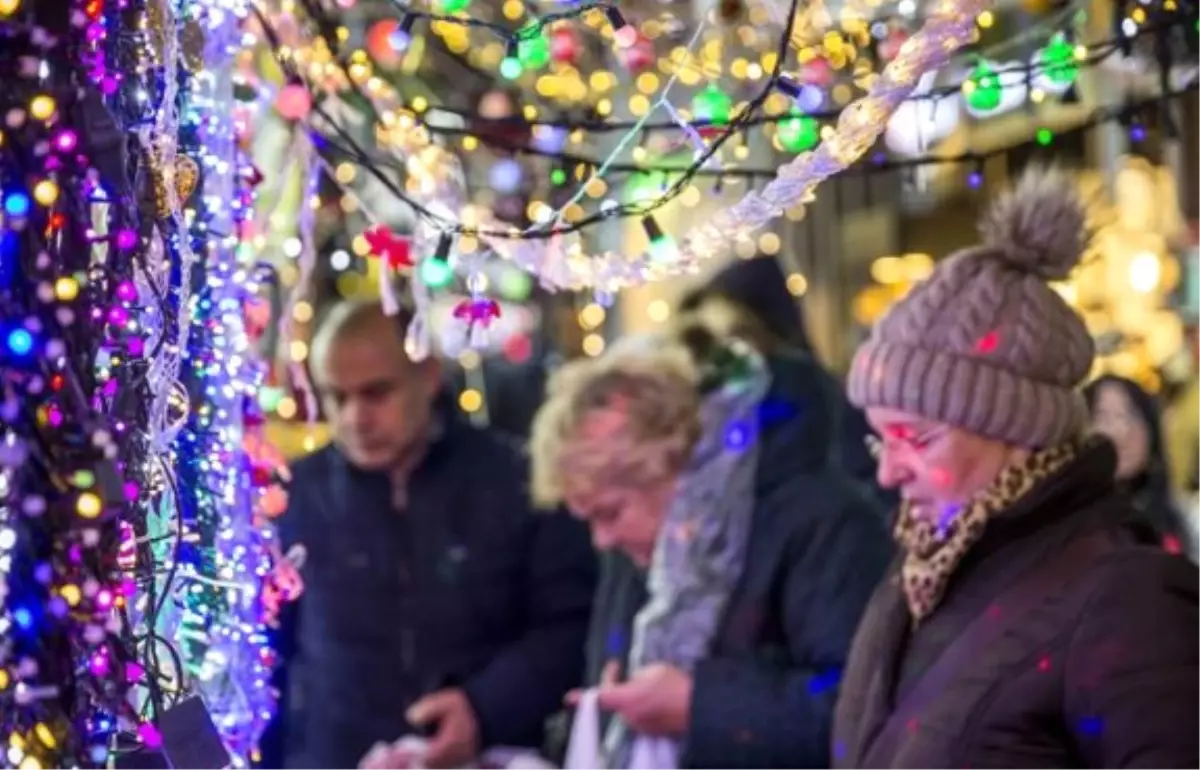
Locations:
(45, 192)
(89, 505)
(66, 288)
(42, 107)
(71, 594)
(470, 400)
(9, 7)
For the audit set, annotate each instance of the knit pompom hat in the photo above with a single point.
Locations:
(985, 343)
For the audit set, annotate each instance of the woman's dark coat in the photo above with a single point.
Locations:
(1066, 638)
(765, 695)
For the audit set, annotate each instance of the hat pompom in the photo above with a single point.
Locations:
(1039, 226)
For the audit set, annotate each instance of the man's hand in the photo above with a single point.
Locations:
(455, 743)
(657, 700)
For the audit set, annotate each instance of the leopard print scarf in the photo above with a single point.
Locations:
(934, 549)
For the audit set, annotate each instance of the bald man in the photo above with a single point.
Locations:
(436, 602)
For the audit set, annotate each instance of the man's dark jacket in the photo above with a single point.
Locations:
(466, 587)
(765, 695)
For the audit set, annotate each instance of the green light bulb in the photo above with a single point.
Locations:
(712, 105)
(436, 273)
(511, 68)
(453, 6)
(798, 132)
(982, 89)
(1058, 60)
(533, 50)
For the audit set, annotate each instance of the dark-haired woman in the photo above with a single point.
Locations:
(1130, 418)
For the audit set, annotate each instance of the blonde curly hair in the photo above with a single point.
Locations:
(653, 383)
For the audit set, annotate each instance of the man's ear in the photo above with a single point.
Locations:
(431, 373)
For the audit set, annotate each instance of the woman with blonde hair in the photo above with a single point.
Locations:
(739, 558)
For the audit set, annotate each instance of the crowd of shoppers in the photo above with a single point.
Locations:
(969, 557)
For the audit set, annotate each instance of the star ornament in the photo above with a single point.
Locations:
(394, 249)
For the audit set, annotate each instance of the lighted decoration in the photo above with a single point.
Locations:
(993, 88)
(638, 54)
(712, 106)
(533, 49)
(511, 66)
(294, 102)
(393, 249)
(452, 6)
(564, 45)
(922, 121)
(818, 72)
(799, 132)
(1056, 65)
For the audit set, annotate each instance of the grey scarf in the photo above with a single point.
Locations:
(701, 547)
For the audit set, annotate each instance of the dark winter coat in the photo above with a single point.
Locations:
(759, 287)
(467, 587)
(1065, 639)
(764, 697)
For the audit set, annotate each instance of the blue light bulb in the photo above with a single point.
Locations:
(20, 342)
(16, 204)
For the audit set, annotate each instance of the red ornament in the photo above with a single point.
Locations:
(388, 246)
(817, 72)
(638, 56)
(564, 45)
(477, 311)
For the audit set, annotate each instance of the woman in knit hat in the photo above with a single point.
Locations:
(1025, 623)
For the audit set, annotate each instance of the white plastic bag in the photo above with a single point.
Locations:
(585, 750)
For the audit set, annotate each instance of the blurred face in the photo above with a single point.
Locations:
(1116, 417)
(377, 401)
(936, 467)
(621, 513)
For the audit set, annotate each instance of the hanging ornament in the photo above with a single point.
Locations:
(480, 312)
(638, 55)
(712, 106)
(393, 249)
(798, 132)
(1056, 66)
(817, 71)
(564, 45)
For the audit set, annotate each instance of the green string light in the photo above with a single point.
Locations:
(533, 49)
(798, 132)
(712, 105)
(1059, 62)
(982, 88)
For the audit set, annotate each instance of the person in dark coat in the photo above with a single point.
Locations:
(658, 439)
(435, 602)
(1130, 417)
(1031, 620)
(749, 298)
